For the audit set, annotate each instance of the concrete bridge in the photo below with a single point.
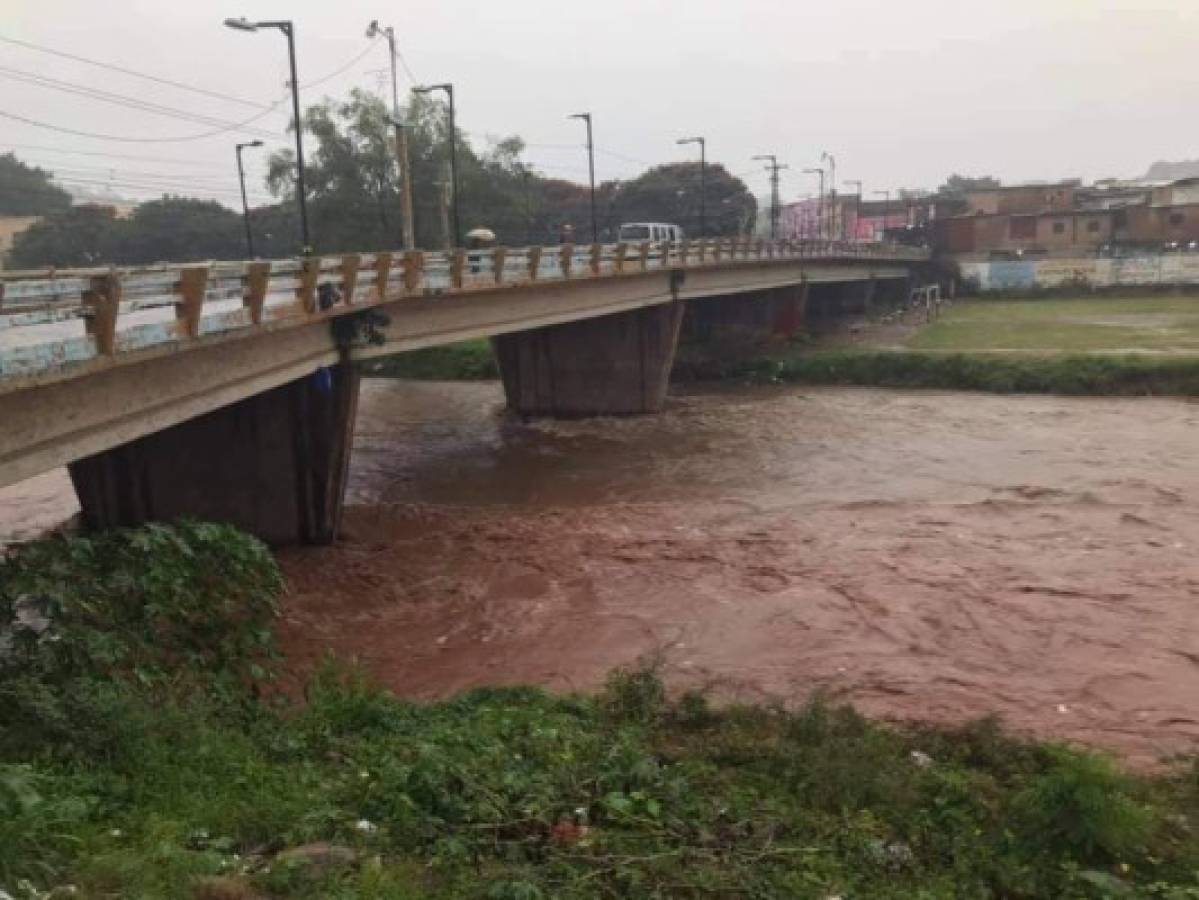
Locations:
(227, 391)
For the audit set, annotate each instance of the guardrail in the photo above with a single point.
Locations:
(54, 318)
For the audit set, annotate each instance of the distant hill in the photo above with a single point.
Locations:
(1172, 171)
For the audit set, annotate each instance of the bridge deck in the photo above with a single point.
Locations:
(66, 323)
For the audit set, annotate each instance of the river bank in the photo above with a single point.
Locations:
(123, 774)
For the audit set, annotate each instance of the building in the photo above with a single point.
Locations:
(849, 217)
(1068, 219)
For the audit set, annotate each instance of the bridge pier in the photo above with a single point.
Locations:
(273, 464)
(748, 319)
(613, 365)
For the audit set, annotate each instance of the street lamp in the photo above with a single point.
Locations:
(703, 181)
(289, 31)
(832, 190)
(819, 201)
(586, 117)
(245, 207)
(373, 31)
(886, 195)
(858, 205)
(449, 92)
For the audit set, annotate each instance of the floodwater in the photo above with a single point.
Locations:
(930, 556)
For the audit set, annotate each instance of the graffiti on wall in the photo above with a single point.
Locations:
(1009, 275)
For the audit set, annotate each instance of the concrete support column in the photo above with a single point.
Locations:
(273, 465)
(613, 365)
(790, 310)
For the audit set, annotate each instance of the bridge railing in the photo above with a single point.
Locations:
(54, 318)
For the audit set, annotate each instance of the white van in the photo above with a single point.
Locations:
(636, 232)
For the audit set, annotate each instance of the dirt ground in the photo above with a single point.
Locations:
(929, 556)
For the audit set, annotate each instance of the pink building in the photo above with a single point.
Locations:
(849, 218)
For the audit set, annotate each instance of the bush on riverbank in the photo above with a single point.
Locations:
(197, 787)
(999, 373)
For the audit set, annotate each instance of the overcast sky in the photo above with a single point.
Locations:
(902, 92)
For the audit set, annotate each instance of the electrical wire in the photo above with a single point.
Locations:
(122, 100)
(124, 71)
(336, 72)
(127, 156)
(132, 140)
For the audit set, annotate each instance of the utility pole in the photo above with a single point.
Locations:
(832, 192)
(820, 229)
(703, 181)
(409, 228)
(245, 206)
(449, 92)
(586, 117)
(525, 176)
(289, 31)
(857, 205)
(443, 203)
(886, 208)
(773, 167)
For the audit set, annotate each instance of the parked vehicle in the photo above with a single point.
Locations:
(636, 232)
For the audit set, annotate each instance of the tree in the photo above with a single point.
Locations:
(951, 196)
(84, 235)
(180, 229)
(671, 193)
(27, 190)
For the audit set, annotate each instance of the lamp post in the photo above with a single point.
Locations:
(886, 195)
(289, 31)
(586, 117)
(858, 204)
(832, 192)
(819, 201)
(774, 167)
(703, 181)
(449, 92)
(409, 236)
(245, 206)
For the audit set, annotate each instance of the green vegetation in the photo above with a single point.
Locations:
(143, 754)
(999, 373)
(467, 361)
(1069, 325)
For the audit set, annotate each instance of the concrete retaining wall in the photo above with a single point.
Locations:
(1016, 275)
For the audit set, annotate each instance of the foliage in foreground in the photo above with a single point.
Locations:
(501, 794)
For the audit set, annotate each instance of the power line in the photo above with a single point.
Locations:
(121, 100)
(127, 156)
(167, 81)
(336, 72)
(132, 140)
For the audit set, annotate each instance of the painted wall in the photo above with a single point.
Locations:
(1008, 275)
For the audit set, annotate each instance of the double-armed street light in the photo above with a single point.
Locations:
(449, 92)
(289, 31)
(245, 206)
(586, 117)
(703, 181)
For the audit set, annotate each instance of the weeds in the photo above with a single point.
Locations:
(197, 788)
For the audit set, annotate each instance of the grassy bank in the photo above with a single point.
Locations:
(466, 361)
(1072, 374)
(1084, 324)
(140, 756)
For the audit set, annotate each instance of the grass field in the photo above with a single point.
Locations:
(1070, 325)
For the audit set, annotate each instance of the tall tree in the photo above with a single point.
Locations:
(84, 235)
(671, 193)
(27, 190)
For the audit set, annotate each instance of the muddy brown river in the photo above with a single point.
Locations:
(927, 555)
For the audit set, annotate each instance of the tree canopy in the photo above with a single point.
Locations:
(27, 190)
